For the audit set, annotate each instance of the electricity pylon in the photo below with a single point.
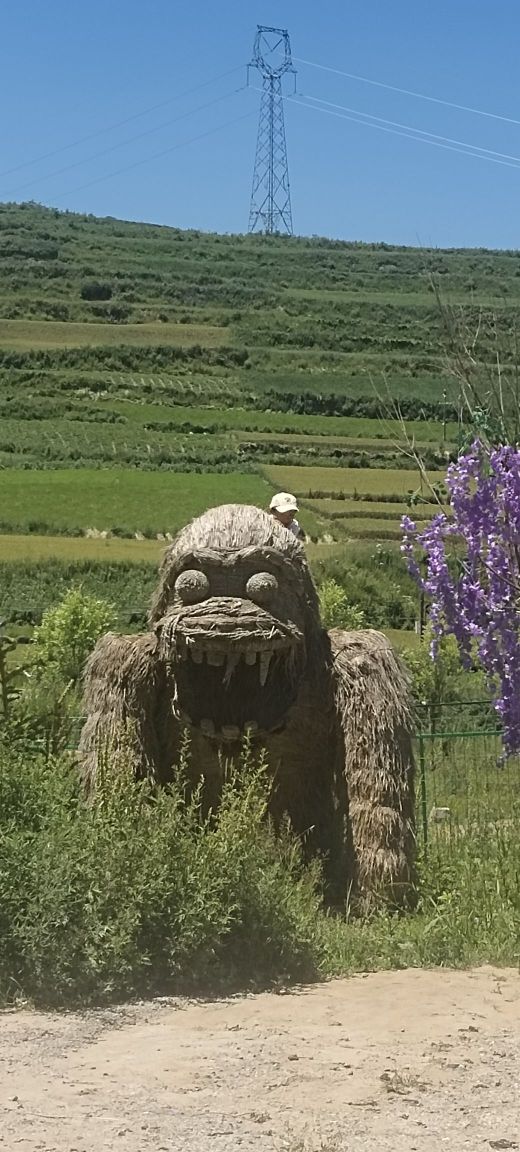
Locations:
(270, 209)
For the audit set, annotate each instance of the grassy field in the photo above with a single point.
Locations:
(24, 335)
(32, 549)
(371, 481)
(244, 420)
(147, 374)
(381, 509)
(134, 501)
(129, 501)
(330, 325)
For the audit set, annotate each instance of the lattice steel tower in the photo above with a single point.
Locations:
(270, 209)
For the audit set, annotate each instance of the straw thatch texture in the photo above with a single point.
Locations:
(372, 694)
(124, 701)
(218, 536)
(236, 644)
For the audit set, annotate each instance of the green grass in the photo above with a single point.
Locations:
(24, 335)
(464, 775)
(372, 481)
(414, 297)
(378, 509)
(402, 638)
(33, 549)
(240, 419)
(367, 528)
(136, 501)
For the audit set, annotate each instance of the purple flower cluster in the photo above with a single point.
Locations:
(468, 564)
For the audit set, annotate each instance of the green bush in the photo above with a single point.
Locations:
(68, 633)
(48, 696)
(444, 681)
(335, 609)
(95, 290)
(375, 582)
(138, 892)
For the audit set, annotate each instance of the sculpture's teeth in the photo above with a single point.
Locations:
(230, 732)
(216, 659)
(207, 727)
(250, 656)
(265, 660)
(231, 664)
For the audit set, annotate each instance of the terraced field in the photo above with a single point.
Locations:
(377, 482)
(120, 501)
(25, 335)
(146, 373)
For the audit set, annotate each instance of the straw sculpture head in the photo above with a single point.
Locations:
(237, 618)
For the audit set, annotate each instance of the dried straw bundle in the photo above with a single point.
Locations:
(372, 701)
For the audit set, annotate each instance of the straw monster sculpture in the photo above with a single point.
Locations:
(236, 645)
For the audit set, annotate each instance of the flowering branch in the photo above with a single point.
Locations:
(472, 571)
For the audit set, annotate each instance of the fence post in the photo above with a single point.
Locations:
(424, 798)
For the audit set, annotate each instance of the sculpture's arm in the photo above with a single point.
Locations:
(124, 682)
(372, 700)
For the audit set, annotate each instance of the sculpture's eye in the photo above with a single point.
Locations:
(261, 587)
(192, 586)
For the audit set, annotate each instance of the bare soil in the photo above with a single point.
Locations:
(398, 1061)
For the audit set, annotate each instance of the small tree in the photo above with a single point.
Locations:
(48, 705)
(336, 610)
(68, 633)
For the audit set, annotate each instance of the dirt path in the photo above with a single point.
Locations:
(395, 1061)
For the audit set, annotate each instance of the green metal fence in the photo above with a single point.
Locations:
(464, 783)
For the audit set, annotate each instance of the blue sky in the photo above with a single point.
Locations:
(70, 69)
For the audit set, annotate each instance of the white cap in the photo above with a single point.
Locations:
(284, 502)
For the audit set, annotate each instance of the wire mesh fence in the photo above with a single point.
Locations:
(465, 785)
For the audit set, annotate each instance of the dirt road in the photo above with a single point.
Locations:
(395, 1061)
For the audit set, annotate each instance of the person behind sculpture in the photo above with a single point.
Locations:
(283, 507)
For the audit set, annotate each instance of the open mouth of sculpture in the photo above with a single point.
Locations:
(228, 683)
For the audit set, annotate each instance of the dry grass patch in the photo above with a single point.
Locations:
(24, 335)
(309, 482)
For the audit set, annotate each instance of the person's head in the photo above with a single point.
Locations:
(284, 507)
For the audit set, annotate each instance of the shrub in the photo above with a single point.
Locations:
(48, 703)
(335, 609)
(139, 892)
(96, 290)
(68, 633)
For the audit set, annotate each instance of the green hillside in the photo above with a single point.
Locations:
(133, 346)
(273, 322)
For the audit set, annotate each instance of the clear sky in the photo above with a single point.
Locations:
(71, 69)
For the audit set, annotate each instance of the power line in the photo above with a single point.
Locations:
(397, 132)
(157, 155)
(410, 128)
(119, 123)
(129, 140)
(408, 92)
